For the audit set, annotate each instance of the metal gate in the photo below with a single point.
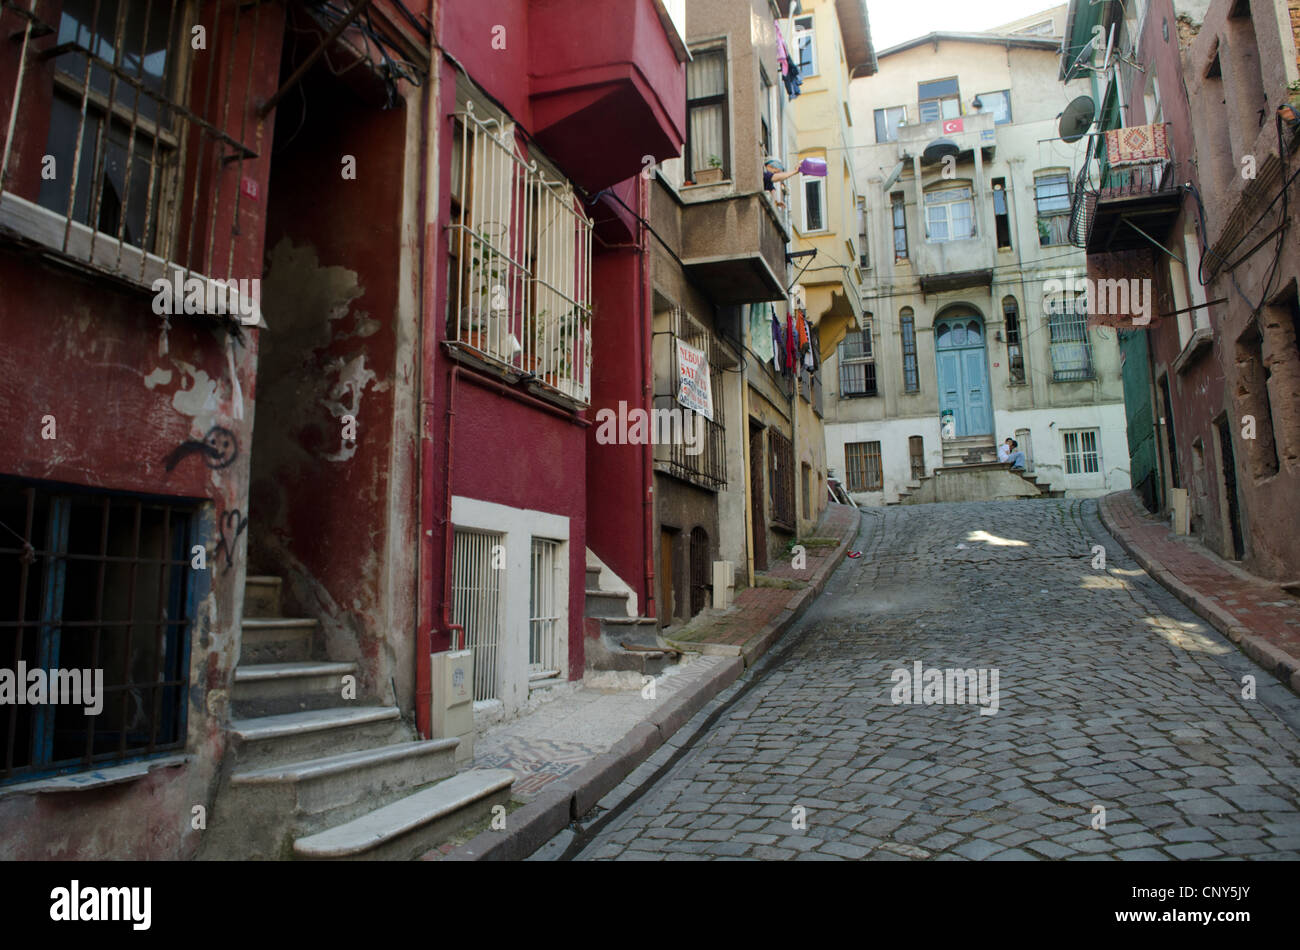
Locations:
(477, 566)
(701, 584)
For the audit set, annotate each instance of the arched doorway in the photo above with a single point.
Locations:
(959, 349)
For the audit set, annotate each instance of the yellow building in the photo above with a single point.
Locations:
(830, 41)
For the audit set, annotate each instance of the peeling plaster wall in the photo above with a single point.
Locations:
(334, 514)
(88, 355)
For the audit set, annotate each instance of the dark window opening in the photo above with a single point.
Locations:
(863, 466)
(707, 128)
(781, 478)
(1253, 400)
(94, 582)
(900, 225)
(907, 331)
(1001, 216)
(916, 451)
(700, 564)
(1015, 356)
(857, 365)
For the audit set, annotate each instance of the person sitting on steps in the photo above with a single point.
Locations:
(1008, 452)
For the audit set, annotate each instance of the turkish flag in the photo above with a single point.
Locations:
(952, 125)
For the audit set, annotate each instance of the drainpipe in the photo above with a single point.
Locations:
(427, 349)
(647, 390)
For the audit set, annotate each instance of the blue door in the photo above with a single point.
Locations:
(963, 374)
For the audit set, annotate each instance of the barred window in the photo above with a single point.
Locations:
(94, 587)
(780, 454)
(916, 453)
(142, 161)
(1067, 322)
(1015, 356)
(520, 261)
(1081, 453)
(907, 330)
(863, 466)
(857, 364)
(704, 465)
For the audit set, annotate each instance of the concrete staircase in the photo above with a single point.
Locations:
(969, 450)
(311, 774)
(975, 481)
(624, 643)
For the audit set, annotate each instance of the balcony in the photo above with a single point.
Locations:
(1130, 195)
(607, 86)
(969, 132)
(733, 248)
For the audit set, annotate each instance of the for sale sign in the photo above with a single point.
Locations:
(693, 386)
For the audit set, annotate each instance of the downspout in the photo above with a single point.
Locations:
(427, 349)
(647, 390)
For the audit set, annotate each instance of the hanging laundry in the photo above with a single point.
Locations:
(791, 347)
(782, 57)
(805, 342)
(793, 81)
(778, 343)
(760, 333)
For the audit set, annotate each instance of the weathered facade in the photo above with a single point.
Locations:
(967, 340)
(1218, 370)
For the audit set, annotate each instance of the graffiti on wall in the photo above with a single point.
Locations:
(218, 448)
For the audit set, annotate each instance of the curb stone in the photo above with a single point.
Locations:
(1281, 664)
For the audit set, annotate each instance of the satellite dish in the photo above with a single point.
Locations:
(1077, 119)
(1084, 59)
(938, 150)
(894, 175)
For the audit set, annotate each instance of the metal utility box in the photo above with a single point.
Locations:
(453, 700)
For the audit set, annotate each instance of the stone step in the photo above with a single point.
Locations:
(643, 631)
(593, 578)
(277, 803)
(276, 640)
(262, 595)
(407, 828)
(606, 603)
(298, 736)
(266, 689)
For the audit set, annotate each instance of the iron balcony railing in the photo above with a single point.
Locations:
(1099, 180)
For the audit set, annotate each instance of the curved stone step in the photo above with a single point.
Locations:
(412, 825)
(262, 595)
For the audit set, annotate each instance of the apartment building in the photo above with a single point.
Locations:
(972, 330)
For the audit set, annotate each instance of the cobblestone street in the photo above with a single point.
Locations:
(1111, 695)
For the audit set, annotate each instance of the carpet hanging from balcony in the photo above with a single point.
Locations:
(1138, 144)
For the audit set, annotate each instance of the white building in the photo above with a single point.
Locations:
(965, 219)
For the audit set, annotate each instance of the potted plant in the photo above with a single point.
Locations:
(711, 175)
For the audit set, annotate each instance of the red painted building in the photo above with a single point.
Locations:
(376, 446)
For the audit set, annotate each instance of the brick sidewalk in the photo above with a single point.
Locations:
(760, 614)
(1262, 618)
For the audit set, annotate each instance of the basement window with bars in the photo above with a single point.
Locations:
(94, 582)
(520, 261)
(1081, 454)
(780, 455)
(545, 638)
(857, 364)
(130, 177)
(477, 569)
(863, 466)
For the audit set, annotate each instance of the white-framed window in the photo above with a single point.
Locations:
(814, 203)
(949, 214)
(857, 364)
(999, 103)
(805, 46)
(938, 99)
(519, 260)
(887, 122)
(1082, 451)
(708, 143)
(1071, 348)
(1052, 202)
